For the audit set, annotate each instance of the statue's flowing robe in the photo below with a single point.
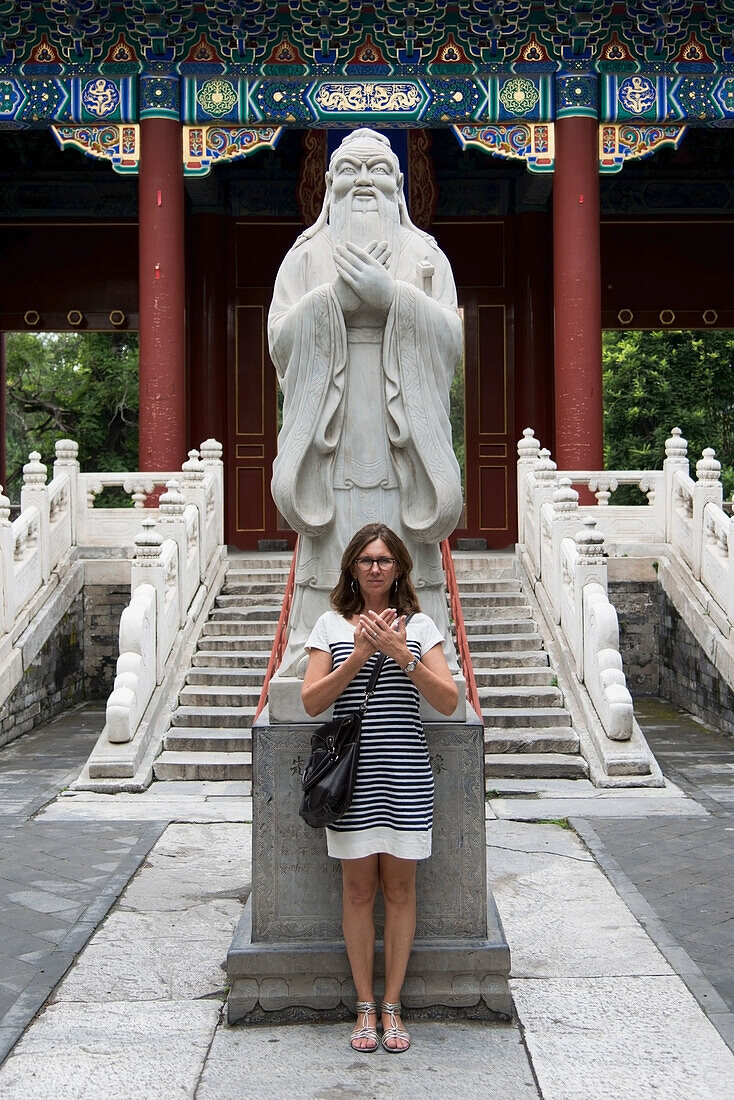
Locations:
(366, 433)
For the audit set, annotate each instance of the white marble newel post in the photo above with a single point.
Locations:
(527, 455)
(67, 462)
(147, 568)
(707, 489)
(7, 588)
(34, 494)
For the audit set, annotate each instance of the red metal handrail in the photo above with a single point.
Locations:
(281, 634)
(462, 643)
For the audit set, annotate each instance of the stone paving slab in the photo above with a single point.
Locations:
(104, 1052)
(59, 882)
(601, 1008)
(152, 805)
(632, 1038)
(314, 1062)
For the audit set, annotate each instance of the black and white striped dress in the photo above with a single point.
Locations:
(392, 808)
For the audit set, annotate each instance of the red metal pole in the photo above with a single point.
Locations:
(577, 296)
(162, 302)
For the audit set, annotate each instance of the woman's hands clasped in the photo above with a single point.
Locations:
(384, 633)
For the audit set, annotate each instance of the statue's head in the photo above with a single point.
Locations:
(363, 163)
(364, 192)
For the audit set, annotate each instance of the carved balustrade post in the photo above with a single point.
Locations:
(706, 489)
(7, 587)
(211, 456)
(173, 525)
(67, 462)
(528, 449)
(564, 523)
(194, 490)
(34, 494)
(676, 461)
(591, 567)
(543, 488)
(148, 568)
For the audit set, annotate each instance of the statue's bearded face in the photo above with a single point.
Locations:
(358, 179)
(364, 185)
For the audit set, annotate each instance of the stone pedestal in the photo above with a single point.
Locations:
(287, 959)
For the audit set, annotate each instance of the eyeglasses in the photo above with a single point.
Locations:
(381, 563)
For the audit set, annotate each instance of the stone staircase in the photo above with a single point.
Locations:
(528, 731)
(210, 736)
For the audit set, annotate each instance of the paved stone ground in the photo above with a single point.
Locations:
(683, 867)
(57, 880)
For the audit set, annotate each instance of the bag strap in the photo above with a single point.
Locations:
(372, 682)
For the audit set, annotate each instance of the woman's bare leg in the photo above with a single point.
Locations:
(360, 878)
(397, 881)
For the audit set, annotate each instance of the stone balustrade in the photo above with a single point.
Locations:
(565, 552)
(173, 554)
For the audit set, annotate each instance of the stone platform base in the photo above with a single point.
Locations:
(288, 956)
(283, 982)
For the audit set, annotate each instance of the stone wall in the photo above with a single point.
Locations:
(638, 610)
(687, 677)
(103, 607)
(53, 681)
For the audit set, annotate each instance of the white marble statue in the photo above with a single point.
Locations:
(365, 335)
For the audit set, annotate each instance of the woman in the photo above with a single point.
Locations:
(388, 826)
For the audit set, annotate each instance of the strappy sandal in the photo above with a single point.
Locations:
(393, 1032)
(365, 1009)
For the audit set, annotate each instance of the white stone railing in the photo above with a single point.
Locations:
(564, 551)
(59, 516)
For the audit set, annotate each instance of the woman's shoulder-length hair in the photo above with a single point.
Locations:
(346, 596)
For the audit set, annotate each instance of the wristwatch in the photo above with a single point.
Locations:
(411, 665)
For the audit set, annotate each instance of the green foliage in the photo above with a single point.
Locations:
(81, 386)
(458, 419)
(655, 381)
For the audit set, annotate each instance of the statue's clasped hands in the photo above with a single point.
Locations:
(362, 276)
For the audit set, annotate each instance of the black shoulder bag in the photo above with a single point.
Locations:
(331, 771)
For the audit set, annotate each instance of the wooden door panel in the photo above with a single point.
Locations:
(252, 436)
(489, 420)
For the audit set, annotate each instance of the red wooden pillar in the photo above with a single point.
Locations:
(162, 304)
(577, 296)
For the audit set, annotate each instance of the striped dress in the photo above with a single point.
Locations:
(392, 808)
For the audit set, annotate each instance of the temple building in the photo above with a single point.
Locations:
(574, 159)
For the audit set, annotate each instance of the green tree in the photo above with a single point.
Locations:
(81, 386)
(655, 381)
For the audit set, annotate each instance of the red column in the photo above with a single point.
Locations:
(3, 414)
(162, 308)
(577, 296)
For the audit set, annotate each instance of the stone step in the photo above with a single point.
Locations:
(482, 598)
(220, 677)
(223, 658)
(486, 661)
(512, 717)
(490, 614)
(500, 626)
(500, 697)
(251, 643)
(514, 676)
(246, 610)
(254, 588)
(534, 766)
(242, 614)
(203, 766)
(510, 585)
(219, 717)
(501, 643)
(195, 695)
(531, 740)
(190, 739)
(260, 627)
